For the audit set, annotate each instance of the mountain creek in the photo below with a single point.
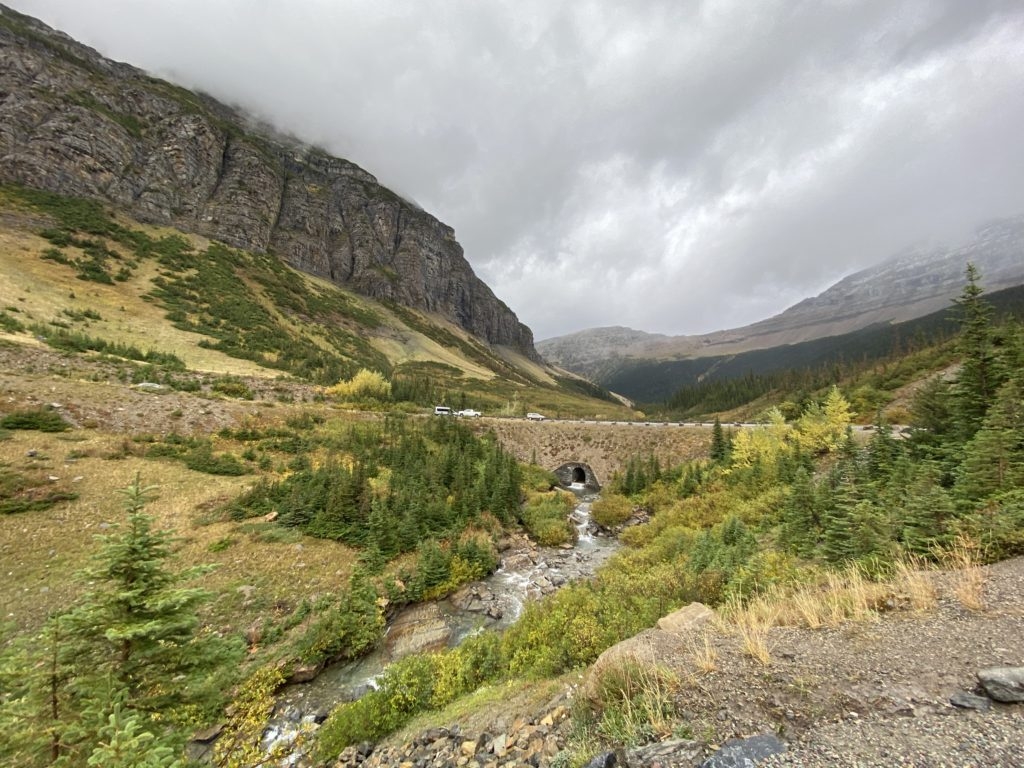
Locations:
(526, 572)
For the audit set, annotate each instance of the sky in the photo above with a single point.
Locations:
(676, 167)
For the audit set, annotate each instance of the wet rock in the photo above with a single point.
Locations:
(304, 673)
(418, 629)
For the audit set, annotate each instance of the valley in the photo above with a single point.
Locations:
(283, 482)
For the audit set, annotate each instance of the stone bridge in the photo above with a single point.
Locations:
(591, 452)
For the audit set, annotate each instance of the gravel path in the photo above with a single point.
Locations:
(878, 693)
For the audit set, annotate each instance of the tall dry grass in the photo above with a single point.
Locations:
(964, 559)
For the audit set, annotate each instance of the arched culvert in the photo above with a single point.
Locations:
(579, 473)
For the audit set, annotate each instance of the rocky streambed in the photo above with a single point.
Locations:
(527, 572)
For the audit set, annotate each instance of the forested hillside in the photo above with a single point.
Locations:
(705, 386)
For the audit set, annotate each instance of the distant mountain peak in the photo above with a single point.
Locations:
(910, 284)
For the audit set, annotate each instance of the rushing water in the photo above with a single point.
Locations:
(493, 603)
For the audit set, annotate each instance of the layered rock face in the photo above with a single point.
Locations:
(76, 123)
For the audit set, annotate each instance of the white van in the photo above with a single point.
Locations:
(442, 410)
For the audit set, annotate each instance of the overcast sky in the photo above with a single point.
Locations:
(675, 167)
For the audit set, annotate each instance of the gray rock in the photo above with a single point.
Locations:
(604, 760)
(1004, 684)
(965, 700)
(745, 753)
(673, 752)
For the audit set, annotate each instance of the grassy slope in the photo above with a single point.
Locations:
(350, 329)
(262, 571)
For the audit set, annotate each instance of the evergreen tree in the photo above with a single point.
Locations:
(994, 458)
(927, 513)
(799, 531)
(837, 522)
(978, 378)
(719, 450)
(882, 451)
(127, 664)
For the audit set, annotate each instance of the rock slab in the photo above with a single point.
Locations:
(745, 753)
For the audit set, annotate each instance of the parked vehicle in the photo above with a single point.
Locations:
(469, 413)
(442, 410)
(534, 416)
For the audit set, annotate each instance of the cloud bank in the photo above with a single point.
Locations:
(673, 167)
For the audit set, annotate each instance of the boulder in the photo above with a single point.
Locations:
(643, 650)
(692, 617)
(1004, 684)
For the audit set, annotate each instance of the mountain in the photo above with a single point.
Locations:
(906, 286)
(76, 123)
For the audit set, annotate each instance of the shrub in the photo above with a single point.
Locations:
(232, 388)
(546, 517)
(43, 419)
(365, 384)
(611, 510)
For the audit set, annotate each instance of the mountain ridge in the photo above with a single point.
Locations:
(76, 123)
(903, 287)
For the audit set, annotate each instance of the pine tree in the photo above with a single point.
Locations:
(128, 662)
(978, 378)
(928, 514)
(994, 458)
(799, 531)
(719, 450)
(837, 523)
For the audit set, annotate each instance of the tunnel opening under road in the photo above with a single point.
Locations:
(576, 472)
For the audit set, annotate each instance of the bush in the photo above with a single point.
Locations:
(203, 459)
(546, 517)
(43, 419)
(365, 384)
(611, 510)
(232, 388)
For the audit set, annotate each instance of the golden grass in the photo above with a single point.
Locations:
(753, 624)
(702, 652)
(41, 289)
(913, 580)
(968, 585)
(42, 550)
(637, 696)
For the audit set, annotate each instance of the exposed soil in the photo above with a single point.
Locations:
(91, 392)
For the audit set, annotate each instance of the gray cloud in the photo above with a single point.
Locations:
(674, 167)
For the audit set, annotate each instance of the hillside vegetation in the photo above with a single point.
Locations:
(82, 280)
(784, 523)
(320, 513)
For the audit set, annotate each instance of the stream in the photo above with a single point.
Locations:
(527, 572)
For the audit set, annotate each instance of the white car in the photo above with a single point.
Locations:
(534, 416)
(469, 413)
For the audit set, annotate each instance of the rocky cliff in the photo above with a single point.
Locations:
(76, 123)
